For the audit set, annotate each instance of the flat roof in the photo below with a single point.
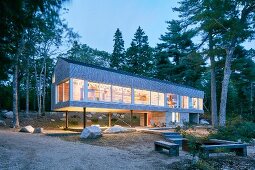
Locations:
(124, 73)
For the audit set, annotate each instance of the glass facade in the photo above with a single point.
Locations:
(176, 117)
(172, 100)
(184, 102)
(142, 97)
(63, 92)
(118, 94)
(99, 92)
(78, 89)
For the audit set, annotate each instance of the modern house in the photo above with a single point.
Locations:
(85, 88)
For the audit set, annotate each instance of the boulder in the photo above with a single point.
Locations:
(38, 130)
(2, 123)
(91, 132)
(204, 122)
(53, 120)
(8, 115)
(89, 115)
(27, 129)
(116, 129)
(63, 119)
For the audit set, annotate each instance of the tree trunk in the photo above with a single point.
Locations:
(44, 91)
(224, 89)
(15, 94)
(213, 84)
(15, 83)
(27, 88)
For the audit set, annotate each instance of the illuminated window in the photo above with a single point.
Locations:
(93, 91)
(99, 92)
(78, 89)
(142, 96)
(154, 98)
(175, 117)
(161, 97)
(200, 104)
(105, 92)
(185, 102)
(195, 103)
(172, 100)
(117, 94)
(63, 92)
(126, 95)
(157, 99)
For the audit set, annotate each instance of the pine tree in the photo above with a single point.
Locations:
(139, 58)
(118, 54)
(177, 61)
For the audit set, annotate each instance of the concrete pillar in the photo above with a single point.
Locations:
(66, 119)
(131, 116)
(84, 117)
(109, 119)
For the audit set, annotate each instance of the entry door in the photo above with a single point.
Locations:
(145, 119)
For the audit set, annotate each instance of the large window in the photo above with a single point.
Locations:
(154, 98)
(195, 103)
(117, 94)
(200, 104)
(63, 92)
(126, 95)
(157, 99)
(142, 97)
(78, 89)
(121, 94)
(172, 100)
(176, 117)
(185, 102)
(99, 92)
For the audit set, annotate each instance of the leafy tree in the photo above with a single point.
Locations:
(139, 58)
(86, 54)
(118, 54)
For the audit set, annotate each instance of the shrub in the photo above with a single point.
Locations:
(235, 130)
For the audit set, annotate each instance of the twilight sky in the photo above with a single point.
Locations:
(97, 20)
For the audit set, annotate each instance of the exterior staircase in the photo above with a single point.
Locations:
(173, 137)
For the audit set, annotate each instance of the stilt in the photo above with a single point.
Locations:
(109, 119)
(131, 116)
(84, 117)
(66, 119)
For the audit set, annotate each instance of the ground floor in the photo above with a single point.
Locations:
(134, 118)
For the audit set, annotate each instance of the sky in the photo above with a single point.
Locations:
(97, 20)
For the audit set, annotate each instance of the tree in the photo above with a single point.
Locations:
(230, 23)
(177, 59)
(118, 54)
(86, 54)
(139, 58)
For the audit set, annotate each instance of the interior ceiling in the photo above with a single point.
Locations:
(102, 110)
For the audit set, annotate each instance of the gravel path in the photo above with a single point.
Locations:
(35, 151)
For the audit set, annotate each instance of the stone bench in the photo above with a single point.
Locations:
(171, 147)
(239, 148)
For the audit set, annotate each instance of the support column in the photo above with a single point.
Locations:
(66, 119)
(109, 119)
(131, 116)
(84, 117)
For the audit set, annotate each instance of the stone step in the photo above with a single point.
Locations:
(173, 136)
